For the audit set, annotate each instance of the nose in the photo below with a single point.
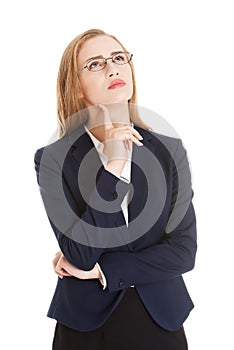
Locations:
(111, 69)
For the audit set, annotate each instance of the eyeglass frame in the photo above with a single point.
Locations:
(105, 60)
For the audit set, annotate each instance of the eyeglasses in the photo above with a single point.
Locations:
(120, 58)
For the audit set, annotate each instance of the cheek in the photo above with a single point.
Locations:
(128, 77)
(129, 81)
(90, 89)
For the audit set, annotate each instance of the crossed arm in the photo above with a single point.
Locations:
(170, 258)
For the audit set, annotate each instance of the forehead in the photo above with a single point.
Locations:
(101, 45)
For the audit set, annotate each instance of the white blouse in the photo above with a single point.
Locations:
(125, 176)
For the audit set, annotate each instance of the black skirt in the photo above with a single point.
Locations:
(129, 327)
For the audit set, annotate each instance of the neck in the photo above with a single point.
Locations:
(119, 116)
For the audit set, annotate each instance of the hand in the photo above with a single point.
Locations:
(59, 266)
(118, 140)
(63, 268)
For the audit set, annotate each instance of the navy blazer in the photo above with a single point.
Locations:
(153, 261)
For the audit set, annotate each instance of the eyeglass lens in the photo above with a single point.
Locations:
(100, 63)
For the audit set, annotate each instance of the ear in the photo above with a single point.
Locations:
(80, 94)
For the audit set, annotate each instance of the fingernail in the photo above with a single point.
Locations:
(61, 277)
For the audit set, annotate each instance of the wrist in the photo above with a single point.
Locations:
(94, 273)
(115, 166)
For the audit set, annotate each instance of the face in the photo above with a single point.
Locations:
(104, 86)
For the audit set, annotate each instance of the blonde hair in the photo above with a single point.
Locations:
(68, 85)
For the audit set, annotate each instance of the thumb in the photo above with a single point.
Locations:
(107, 120)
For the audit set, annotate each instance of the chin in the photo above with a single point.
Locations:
(121, 98)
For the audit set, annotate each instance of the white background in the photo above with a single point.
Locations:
(183, 55)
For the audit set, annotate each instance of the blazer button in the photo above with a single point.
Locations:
(121, 284)
(115, 194)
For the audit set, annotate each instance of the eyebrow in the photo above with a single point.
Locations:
(100, 56)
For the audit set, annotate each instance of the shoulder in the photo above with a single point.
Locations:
(59, 148)
(163, 143)
(38, 155)
(49, 151)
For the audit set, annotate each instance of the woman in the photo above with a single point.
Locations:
(110, 187)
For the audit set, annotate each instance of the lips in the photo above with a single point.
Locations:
(117, 83)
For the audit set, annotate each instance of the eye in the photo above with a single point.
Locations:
(120, 58)
(95, 64)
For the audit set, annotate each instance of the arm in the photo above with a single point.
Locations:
(172, 257)
(75, 229)
(79, 237)
(174, 254)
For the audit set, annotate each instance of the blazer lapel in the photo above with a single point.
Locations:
(140, 171)
(88, 166)
(140, 168)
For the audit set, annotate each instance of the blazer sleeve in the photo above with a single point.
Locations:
(174, 254)
(76, 229)
(170, 258)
